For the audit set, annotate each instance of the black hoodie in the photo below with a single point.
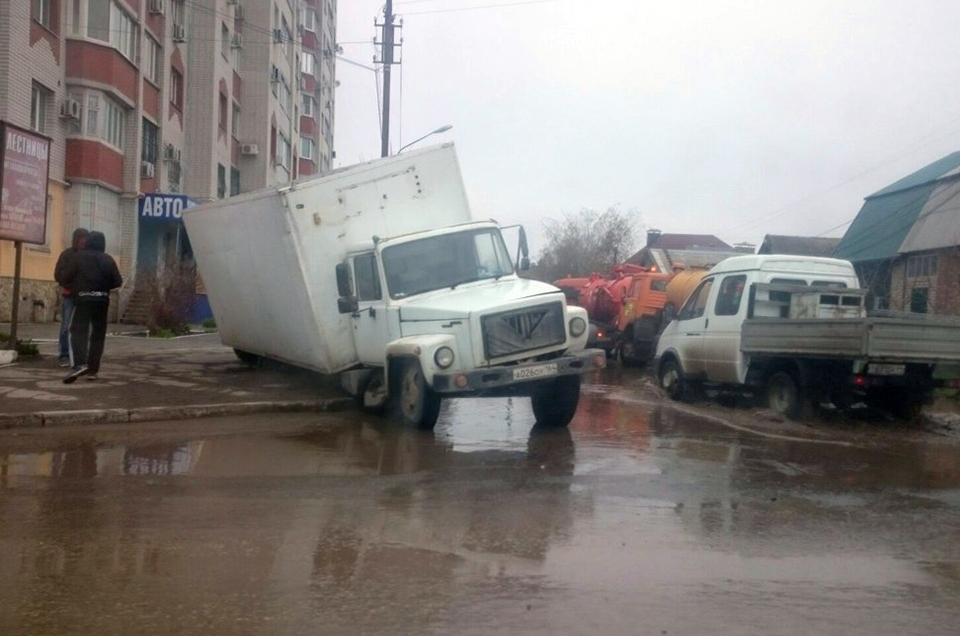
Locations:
(93, 273)
(68, 258)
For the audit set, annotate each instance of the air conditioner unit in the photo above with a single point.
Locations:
(179, 33)
(277, 35)
(236, 41)
(147, 169)
(275, 75)
(249, 149)
(170, 153)
(70, 109)
(156, 7)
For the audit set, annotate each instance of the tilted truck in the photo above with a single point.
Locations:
(795, 330)
(380, 273)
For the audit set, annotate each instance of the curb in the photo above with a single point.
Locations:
(44, 419)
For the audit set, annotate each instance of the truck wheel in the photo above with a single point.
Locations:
(784, 395)
(555, 403)
(418, 404)
(248, 358)
(628, 351)
(672, 382)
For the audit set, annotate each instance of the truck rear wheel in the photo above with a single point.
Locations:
(784, 395)
(555, 403)
(418, 404)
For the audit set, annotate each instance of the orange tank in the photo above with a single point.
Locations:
(682, 284)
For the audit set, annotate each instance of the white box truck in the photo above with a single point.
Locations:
(379, 272)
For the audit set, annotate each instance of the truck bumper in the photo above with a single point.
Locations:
(518, 379)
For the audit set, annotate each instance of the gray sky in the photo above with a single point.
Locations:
(737, 119)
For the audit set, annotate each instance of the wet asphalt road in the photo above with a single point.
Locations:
(641, 519)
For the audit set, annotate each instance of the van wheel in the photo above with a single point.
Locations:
(784, 395)
(555, 403)
(418, 404)
(671, 380)
(250, 359)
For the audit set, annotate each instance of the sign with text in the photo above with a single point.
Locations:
(163, 207)
(24, 170)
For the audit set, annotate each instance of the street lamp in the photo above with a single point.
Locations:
(441, 129)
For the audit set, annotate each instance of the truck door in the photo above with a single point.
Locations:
(721, 341)
(692, 321)
(370, 330)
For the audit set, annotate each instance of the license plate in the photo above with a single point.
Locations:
(539, 371)
(886, 369)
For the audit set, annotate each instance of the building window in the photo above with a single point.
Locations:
(40, 99)
(177, 11)
(308, 147)
(283, 151)
(150, 134)
(151, 60)
(235, 122)
(225, 40)
(115, 122)
(223, 112)
(40, 11)
(919, 297)
(234, 182)
(922, 266)
(287, 37)
(275, 77)
(176, 88)
(308, 63)
(309, 19)
(285, 96)
(308, 105)
(100, 117)
(221, 181)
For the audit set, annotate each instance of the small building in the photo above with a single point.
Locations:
(672, 252)
(798, 245)
(905, 241)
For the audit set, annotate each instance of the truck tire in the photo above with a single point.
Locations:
(627, 351)
(250, 359)
(555, 403)
(784, 395)
(417, 404)
(672, 382)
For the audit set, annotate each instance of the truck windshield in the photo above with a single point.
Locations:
(444, 261)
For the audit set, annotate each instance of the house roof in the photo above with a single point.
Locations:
(798, 245)
(909, 215)
(689, 242)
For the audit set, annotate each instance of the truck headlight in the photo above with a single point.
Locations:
(443, 357)
(577, 327)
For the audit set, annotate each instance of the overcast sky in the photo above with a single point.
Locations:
(737, 119)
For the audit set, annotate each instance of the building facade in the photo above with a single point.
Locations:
(155, 105)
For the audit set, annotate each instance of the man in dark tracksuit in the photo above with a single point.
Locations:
(92, 276)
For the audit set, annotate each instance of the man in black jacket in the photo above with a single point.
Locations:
(66, 257)
(91, 277)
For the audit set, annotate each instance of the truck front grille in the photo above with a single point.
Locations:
(531, 328)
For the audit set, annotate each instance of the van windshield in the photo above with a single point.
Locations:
(444, 261)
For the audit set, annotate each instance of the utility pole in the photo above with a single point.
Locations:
(386, 58)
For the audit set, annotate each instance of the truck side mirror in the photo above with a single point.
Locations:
(524, 264)
(523, 252)
(347, 304)
(344, 280)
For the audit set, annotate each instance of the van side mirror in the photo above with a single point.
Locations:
(344, 280)
(347, 304)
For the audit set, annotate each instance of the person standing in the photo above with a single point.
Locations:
(95, 273)
(66, 303)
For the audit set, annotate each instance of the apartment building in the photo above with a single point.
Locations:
(151, 106)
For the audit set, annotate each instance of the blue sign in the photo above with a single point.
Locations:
(163, 207)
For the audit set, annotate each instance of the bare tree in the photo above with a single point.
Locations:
(586, 242)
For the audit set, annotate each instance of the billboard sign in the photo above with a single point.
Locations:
(24, 171)
(163, 207)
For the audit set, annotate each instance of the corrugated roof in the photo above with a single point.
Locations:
(882, 224)
(939, 169)
(689, 242)
(798, 245)
(938, 224)
(884, 227)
